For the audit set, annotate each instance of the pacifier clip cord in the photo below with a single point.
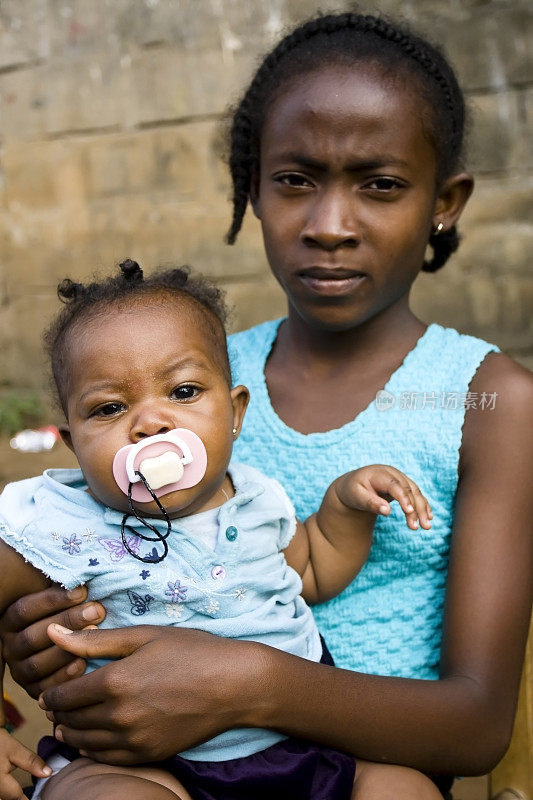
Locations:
(159, 537)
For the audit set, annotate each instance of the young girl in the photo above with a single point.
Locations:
(143, 377)
(348, 144)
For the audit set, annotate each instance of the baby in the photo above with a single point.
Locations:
(164, 529)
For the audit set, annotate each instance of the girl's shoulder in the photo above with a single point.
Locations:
(505, 417)
(443, 359)
(510, 381)
(502, 368)
(497, 383)
(456, 342)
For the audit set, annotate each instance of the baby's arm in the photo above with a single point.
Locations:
(17, 578)
(331, 546)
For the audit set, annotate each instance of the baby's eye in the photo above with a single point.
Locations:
(108, 410)
(185, 392)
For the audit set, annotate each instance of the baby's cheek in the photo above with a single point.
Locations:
(104, 489)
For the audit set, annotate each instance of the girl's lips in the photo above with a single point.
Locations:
(332, 282)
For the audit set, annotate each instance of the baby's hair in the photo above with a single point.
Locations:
(346, 39)
(84, 302)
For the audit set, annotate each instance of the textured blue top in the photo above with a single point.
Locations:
(388, 621)
(241, 589)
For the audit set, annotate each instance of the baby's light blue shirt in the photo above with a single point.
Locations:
(242, 589)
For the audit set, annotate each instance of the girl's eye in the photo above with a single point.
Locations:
(109, 410)
(293, 179)
(185, 392)
(384, 184)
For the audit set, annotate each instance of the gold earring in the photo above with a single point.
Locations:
(439, 228)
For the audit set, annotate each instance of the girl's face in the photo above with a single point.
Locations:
(346, 193)
(142, 370)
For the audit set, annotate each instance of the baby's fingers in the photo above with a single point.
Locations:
(413, 503)
(368, 499)
(20, 756)
(422, 507)
(401, 489)
(10, 789)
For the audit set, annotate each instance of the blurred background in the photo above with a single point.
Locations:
(112, 131)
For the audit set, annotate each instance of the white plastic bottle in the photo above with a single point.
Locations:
(35, 441)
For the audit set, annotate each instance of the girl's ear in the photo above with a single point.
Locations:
(254, 192)
(451, 200)
(239, 398)
(64, 430)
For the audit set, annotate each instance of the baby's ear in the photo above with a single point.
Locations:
(239, 398)
(64, 431)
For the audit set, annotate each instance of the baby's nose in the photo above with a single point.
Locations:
(150, 423)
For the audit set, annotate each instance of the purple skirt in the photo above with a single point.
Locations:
(293, 769)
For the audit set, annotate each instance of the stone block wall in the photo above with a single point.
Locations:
(111, 133)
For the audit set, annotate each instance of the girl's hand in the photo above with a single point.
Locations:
(171, 689)
(34, 663)
(13, 754)
(373, 488)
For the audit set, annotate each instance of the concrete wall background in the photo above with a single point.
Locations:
(110, 141)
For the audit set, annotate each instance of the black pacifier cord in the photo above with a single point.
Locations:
(159, 537)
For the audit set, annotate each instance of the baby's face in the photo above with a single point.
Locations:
(145, 369)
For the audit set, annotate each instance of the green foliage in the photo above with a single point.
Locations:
(18, 412)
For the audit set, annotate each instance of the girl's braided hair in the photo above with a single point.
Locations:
(87, 301)
(346, 39)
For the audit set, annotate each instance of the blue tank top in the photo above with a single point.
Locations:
(389, 620)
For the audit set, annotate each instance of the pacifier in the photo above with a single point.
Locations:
(153, 467)
(167, 461)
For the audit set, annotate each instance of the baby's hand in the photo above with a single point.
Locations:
(373, 488)
(13, 754)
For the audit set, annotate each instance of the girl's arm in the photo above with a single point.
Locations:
(17, 578)
(331, 546)
(460, 724)
(198, 685)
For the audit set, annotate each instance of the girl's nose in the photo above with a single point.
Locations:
(151, 422)
(331, 222)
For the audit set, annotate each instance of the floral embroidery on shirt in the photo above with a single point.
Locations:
(239, 593)
(72, 545)
(56, 536)
(89, 535)
(93, 562)
(174, 610)
(144, 574)
(176, 591)
(212, 607)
